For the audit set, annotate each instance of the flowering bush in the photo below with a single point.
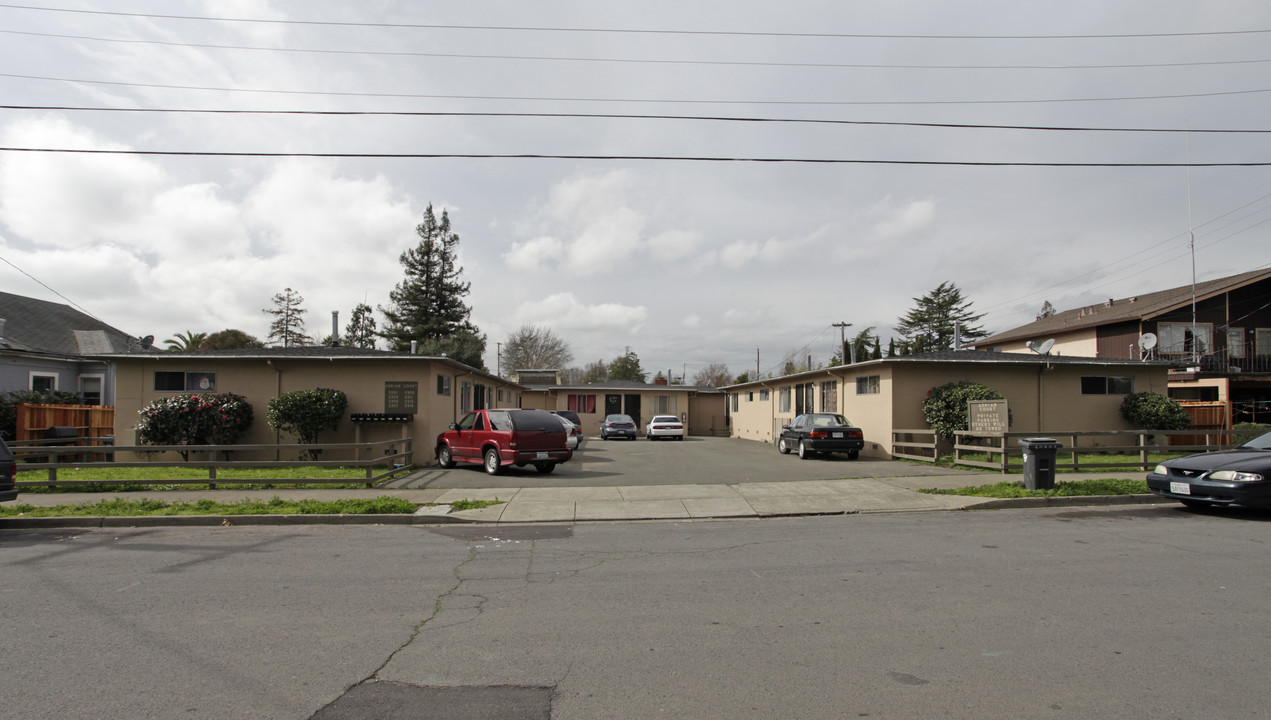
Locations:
(197, 419)
(307, 412)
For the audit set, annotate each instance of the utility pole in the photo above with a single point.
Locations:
(842, 326)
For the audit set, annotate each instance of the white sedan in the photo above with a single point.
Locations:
(664, 426)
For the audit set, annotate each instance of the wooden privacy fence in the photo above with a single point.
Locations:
(91, 421)
(71, 451)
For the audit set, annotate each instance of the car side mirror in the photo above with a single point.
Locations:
(453, 426)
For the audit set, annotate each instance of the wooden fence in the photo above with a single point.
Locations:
(91, 421)
(1001, 447)
(53, 455)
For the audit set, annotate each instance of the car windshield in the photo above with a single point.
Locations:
(666, 419)
(1262, 442)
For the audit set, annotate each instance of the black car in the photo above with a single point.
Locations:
(1240, 476)
(8, 473)
(814, 433)
(569, 415)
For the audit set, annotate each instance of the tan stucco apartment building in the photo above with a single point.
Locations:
(1044, 393)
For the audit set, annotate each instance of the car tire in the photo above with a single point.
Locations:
(804, 452)
(782, 447)
(853, 454)
(444, 458)
(491, 461)
(545, 468)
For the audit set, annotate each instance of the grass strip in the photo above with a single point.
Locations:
(118, 507)
(1072, 488)
(108, 479)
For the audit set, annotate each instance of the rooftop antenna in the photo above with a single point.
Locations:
(1191, 243)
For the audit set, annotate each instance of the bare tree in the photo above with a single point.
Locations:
(534, 347)
(713, 375)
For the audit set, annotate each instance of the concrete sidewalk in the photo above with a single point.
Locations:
(596, 504)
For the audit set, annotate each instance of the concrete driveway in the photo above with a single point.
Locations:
(694, 460)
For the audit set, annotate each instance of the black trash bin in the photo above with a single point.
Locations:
(1039, 462)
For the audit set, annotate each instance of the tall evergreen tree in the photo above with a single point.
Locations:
(428, 305)
(1047, 310)
(288, 326)
(627, 367)
(360, 332)
(928, 327)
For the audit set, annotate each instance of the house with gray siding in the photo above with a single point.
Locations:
(50, 346)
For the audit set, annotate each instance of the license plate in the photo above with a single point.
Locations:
(1179, 488)
(837, 435)
(541, 456)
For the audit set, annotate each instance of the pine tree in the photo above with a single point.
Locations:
(360, 332)
(627, 367)
(928, 327)
(1047, 310)
(288, 327)
(428, 305)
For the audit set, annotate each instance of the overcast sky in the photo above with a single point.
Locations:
(686, 261)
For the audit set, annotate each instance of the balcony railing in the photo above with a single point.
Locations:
(1220, 361)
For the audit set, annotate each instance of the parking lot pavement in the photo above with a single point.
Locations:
(693, 461)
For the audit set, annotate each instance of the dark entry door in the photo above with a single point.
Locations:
(633, 408)
(613, 405)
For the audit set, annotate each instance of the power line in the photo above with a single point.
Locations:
(824, 103)
(638, 61)
(636, 31)
(681, 158)
(50, 289)
(626, 116)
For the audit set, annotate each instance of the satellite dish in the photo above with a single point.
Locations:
(1041, 348)
(1147, 341)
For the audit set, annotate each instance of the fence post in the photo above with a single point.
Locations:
(1073, 446)
(1005, 460)
(211, 478)
(1142, 450)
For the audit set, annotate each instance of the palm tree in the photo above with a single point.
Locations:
(186, 341)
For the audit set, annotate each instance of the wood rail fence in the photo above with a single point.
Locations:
(62, 453)
(1001, 447)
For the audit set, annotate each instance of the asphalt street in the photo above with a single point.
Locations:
(1144, 611)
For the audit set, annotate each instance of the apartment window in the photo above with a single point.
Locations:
(736, 401)
(168, 381)
(1262, 342)
(582, 403)
(783, 399)
(868, 385)
(1179, 338)
(1101, 385)
(41, 382)
(664, 405)
(764, 395)
(830, 396)
(465, 397)
(1236, 342)
(750, 396)
(443, 385)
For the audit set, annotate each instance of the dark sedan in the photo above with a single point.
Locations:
(1240, 476)
(815, 433)
(8, 473)
(618, 426)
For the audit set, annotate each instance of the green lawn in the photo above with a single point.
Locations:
(1085, 461)
(275, 506)
(106, 479)
(1074, 488)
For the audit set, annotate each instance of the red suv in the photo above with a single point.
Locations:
(8, 473)
(495, 438)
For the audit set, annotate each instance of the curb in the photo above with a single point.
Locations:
(435, 519)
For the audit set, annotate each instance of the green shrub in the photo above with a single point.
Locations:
(1153, 411)
(305, 413)
(1248, 431)
(946, 406)
(196, 419)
